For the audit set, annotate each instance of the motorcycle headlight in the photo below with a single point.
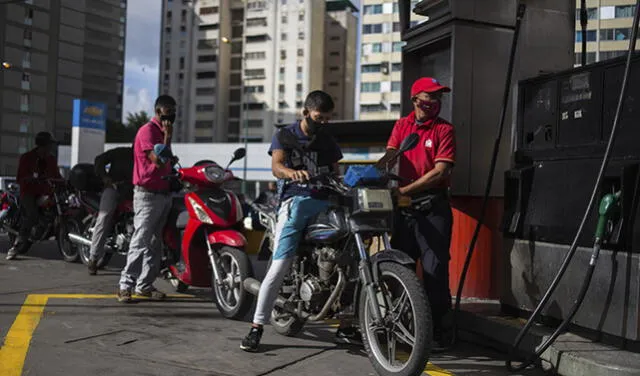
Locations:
(214, 174)
(201, 213)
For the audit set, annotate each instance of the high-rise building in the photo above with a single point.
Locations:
(340, 44)
(239, 67)
(59, 50)
(608, 29)
(381, 60)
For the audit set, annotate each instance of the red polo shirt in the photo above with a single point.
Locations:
(437, 144)
(145, 173)
(32, 166)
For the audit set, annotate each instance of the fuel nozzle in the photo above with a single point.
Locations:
(609, 210)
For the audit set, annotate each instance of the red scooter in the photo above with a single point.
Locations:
(204, 246)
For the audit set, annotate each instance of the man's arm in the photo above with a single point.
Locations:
(23, 170)
(100, 164)
(441, 171)
(280, 171)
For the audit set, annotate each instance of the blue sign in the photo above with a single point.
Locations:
(88, 114)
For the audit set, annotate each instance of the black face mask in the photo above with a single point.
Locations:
(313, 126)
(170, 118)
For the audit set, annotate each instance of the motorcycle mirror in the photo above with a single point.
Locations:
(409, 142)
(239, 154)
(288, 139)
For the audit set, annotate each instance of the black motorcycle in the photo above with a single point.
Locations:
(57, 215)
(333, 275)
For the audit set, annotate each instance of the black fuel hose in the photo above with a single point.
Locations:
(492, 167)
(563, 268)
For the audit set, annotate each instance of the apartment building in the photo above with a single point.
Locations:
(340, 41)
(381, 60)
(239, 67)
(608, 29)
(59, 50)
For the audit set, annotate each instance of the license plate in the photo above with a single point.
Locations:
(375, 200)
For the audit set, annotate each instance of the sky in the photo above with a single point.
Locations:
(142, 53)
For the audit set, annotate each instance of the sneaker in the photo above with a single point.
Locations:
(349, 335)
(13, 252)
(251, 342)
(124, 296)
(152, 293)
(93, 267)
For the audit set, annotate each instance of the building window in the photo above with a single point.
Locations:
(254, 106)
(235, 79)
(334, 84)
(262, 21)
(254, 73)
(236, 48)
(591, 58)
(592, 13)
(370, 68)
(301, 16)
(181, 77)
(204, 108)
(376, 47)
(606, 55)
(254, 89)
(299, 89)
(396, 8)
(370, 87)
(625, 11)
(205, 75)
(257, 38)
(254, 123)
(236, 31)
(301, 35)
(299, 104)
(373, 9)
(25, 124)
(372, 28)
(26, 60)
(396, 67)
(395, 107)
(205, 44)
(256, 55)
(234, 111)
(396, 27)
(283, 54)
(234, 95)
(300, 52)
(334, 53)
(335, 38)
(28, 16)
(257, 5)
(591, 36)
(236, 63)
(209, 27)
(397, 46)
(281, 88)
(283, 19)
(24, 102)
(334, 69)
(205, 91)
(615, 34)
(208, 10)
(167, 63)
(283, 36)
(182, 63)
(396, 86)
(371, 108)
(204, 124)
(26, 81)
(282, 105)
(206, 58)
(28, 36)
(299, 73)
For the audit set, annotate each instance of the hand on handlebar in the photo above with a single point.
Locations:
(299, 175)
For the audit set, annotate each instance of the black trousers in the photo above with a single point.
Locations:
(426, 235)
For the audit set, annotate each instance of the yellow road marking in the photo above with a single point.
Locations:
(16, 344)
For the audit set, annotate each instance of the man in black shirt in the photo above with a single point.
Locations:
(118, 186)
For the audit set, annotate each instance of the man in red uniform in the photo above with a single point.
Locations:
(34, 168)
(425, 234)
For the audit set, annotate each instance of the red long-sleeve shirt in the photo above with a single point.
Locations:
(33, 166)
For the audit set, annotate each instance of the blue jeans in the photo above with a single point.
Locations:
(293, 217)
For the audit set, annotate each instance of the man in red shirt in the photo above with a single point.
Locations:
(34, 168)
(151, 203)
(425, 233)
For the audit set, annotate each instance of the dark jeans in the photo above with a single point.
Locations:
(426, 235)
(29, 213)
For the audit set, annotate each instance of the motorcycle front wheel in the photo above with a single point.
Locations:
(401, 345)
(229, 296)
(68, 250)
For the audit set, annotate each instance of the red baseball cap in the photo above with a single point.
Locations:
(428, 85)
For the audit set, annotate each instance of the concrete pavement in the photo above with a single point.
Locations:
(66, 322)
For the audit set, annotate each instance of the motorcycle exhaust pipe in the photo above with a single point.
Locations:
(252, 286)
(77, 239)
(10, 230)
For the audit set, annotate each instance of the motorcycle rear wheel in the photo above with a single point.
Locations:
(85, 251)
(404, 327)
(230, 297)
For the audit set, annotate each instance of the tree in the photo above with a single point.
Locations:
(137, 119)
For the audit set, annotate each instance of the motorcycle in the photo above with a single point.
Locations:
(57, 215)
(203, 238)
(10, 220)
(118, 240)
(333, 275)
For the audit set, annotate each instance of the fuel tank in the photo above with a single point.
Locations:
(327, 227)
